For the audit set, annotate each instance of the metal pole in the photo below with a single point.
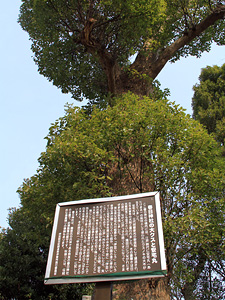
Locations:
(103, 291)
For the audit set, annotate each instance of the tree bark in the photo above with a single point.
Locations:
(145, 289)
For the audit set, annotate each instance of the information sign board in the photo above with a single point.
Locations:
(107, 239)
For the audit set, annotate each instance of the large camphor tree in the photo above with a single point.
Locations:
(101, 49)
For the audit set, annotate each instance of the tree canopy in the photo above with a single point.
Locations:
(137, 146)
(209, 101)
(85, 47)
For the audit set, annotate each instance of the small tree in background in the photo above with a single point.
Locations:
(23, 257)
(209, 109)
(209, 101)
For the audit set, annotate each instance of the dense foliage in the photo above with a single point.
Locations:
(84, 46)
(134, 146)
(209, 101)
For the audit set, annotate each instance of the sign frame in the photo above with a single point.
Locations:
(107, 277)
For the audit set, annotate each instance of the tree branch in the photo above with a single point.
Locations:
(156, 62)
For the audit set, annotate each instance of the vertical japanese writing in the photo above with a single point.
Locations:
(152, 235)
(108, 237)
(66, 242)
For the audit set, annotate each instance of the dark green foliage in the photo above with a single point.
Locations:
(22, 260)
(209, 101)
(23, 255)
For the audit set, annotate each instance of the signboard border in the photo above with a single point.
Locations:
(114, 276)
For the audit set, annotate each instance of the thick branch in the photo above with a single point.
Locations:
(118, 80)
(108, 64)
(156, 62)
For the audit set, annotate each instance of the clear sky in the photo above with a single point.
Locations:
(29, 103)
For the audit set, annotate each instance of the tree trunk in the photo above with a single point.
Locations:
(135, 83)
(144, 289)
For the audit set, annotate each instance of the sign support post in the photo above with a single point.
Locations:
(103, 291)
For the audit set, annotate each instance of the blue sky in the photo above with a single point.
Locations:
(29, 103)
